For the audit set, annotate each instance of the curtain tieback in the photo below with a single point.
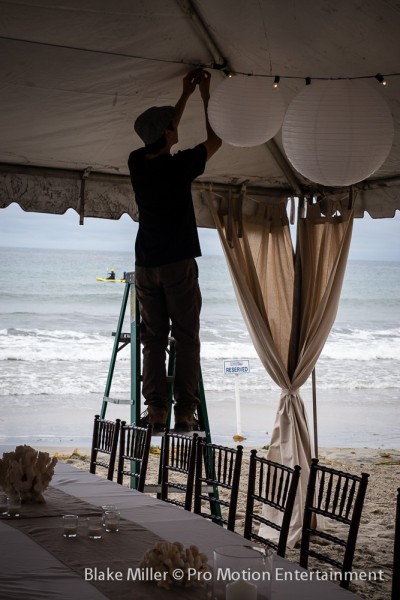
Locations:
(289, 392)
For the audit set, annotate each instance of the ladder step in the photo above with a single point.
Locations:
(190, 433)
(201, 434)
(117, 400)
(124, 337)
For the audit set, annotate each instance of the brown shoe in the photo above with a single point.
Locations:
(185, 423)
(156, 417)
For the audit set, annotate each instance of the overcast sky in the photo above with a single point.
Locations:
(373, 239)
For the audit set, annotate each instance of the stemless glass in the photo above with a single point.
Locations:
(242, 572)
(3, 502)
(14, 505)
(70, 526)
(94, 527)
(104, 508)
(111, 519)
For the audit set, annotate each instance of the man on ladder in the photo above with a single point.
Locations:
(167, 243)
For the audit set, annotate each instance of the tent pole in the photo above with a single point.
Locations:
(189, 8)
(296, 314)
(314, 397)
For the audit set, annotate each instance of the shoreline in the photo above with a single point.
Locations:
(352, 419)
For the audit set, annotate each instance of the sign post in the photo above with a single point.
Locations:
(237, 367)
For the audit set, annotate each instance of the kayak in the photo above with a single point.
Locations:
(110, 280)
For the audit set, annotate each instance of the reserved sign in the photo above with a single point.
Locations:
(236, 367)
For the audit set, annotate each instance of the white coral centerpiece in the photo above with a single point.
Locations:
(26, 472)
(176, 564)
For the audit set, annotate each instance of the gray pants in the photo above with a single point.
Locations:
(170, 300)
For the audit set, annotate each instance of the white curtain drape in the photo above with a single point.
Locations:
(289, 302)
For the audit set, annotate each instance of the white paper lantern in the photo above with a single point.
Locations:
(338, 132)
(246, 111)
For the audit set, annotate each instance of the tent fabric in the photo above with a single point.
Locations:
(55, 191)
(262, 266)
(75, 75)
(106, 196)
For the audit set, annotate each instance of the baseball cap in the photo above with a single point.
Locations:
(152, 123)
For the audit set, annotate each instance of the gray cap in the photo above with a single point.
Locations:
(151, 124)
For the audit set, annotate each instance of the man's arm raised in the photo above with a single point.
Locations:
(213, 141)
(189, 85)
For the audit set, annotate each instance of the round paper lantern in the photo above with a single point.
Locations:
(338, 132)
(246, 111)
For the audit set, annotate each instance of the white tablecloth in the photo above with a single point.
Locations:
(28, 571)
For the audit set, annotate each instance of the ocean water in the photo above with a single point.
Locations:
(56, 322)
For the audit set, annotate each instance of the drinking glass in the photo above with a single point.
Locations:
(104, 509)
(3, 503)
(94, 527)
(242, 572)
(111, 520)
(14, 505)
(70, 526)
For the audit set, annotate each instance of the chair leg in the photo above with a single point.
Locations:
(93, 455)
(396, 553)
(281, 551)
(145, 458)
(111, 466)
(353, 532)
(248, 523)
(305, 536)
(120, 469)
(235, 490)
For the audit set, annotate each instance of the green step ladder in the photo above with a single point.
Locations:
(133, 338)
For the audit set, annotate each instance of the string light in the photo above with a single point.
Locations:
(381, 79)
(214, 65)
(277, 79)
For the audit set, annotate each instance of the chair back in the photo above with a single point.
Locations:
(274, 485)
(178, 456)
(134, 448)
(104, 445)
(217, 479)
(396, 553)
(337, 496)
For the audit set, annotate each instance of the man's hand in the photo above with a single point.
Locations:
(191, 80)
(202, 79)
(189, 85)
(204, 85)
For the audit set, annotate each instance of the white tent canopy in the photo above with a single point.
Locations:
(75, 74)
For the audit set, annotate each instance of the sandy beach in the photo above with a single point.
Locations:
(69, 419)
(374, 552)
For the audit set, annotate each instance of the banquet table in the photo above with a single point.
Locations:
(38, 563)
